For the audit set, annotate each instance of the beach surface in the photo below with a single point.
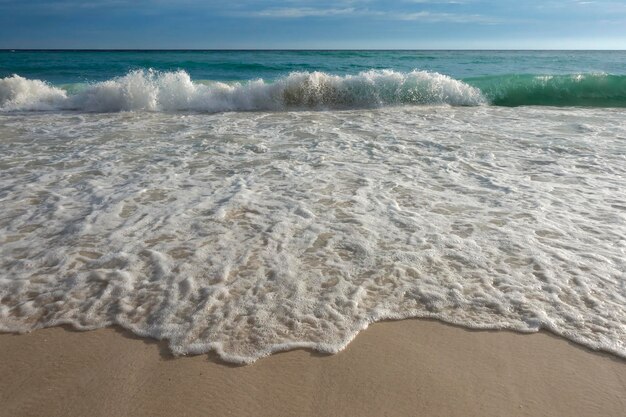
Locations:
(403, 368)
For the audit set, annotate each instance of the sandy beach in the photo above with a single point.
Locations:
(404, 368)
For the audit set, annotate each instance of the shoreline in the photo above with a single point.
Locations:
(408, 367)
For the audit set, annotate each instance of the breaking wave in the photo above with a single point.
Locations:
(175, 91)
(147, 90)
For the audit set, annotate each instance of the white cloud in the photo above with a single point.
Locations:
(426, 16)
(423, 16)
(296, 12)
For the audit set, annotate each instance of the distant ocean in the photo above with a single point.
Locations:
(249, 202)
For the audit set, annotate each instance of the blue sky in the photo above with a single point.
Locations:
(366, 24)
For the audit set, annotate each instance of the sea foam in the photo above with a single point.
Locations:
(249, 233)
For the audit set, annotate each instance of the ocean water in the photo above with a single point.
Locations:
(249, 202)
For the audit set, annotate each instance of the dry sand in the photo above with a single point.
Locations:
(407, 368)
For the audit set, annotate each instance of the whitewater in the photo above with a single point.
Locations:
(249, 233)
(253, 216)
(175, 91)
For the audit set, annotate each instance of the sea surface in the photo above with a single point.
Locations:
(249, 202)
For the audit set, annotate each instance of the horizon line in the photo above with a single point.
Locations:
(300, 50)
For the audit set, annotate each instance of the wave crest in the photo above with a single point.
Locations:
(18, 93)
(175, 91)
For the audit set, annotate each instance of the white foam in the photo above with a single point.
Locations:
(248, 233)
(175, 91)
(18, 93)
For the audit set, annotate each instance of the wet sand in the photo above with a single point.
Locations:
(406, 368)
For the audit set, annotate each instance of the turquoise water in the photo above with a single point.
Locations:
(62, 67)
(508, 78)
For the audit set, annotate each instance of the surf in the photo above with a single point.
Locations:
(148, 90)
(251, 233)
(175, 91)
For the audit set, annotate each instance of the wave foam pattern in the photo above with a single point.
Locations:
(175, 91)
(253, 233)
